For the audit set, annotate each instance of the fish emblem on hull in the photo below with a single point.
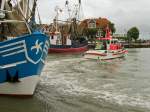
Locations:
(34, 50)
(37, 46)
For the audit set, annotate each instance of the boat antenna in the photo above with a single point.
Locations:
(68, 9)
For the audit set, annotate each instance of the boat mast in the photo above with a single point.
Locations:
(2, 4)
(57, 10)
(40, 21)
(68, 9)
(75, 20)
(78, 10)
(56, 19)
(24, 16)
(25, 7)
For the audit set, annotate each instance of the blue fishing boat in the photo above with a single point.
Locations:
(22, 58)
(21, 62)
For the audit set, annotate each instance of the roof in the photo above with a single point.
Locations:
(100, 22)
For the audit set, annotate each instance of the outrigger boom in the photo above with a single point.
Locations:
(11, 21)
(6, 11)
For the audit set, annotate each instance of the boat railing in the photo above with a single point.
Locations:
(11, 21)
(79, 44)
(5, 11)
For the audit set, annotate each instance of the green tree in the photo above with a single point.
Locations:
(112, 27)
(133, 33)
(91, 33)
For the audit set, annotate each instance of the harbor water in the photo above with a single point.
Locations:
(70, 83)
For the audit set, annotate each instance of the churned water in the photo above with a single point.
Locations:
(70, 83)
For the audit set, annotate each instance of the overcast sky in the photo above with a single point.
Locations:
(123, 13)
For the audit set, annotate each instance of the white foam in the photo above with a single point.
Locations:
(70, 85)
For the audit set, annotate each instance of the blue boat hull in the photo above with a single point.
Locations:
(21, 62)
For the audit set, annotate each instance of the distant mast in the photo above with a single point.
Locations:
(76, 18)
(58, 10)
(56, 18)
(74, 11)
(79, 9)
(68, 9)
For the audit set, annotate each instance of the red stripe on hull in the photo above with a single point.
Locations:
(67, 50)
(122, 52)
(97, 54)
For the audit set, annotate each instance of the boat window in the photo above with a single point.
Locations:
(108, 42)
(101, 45)
(58, 36)
(52, 37)
(2, 38)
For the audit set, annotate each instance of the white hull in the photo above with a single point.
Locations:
(25, 87)
(101, 55)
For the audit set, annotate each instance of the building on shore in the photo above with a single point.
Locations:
(99, 24)
(120, 36)
(95, 27)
